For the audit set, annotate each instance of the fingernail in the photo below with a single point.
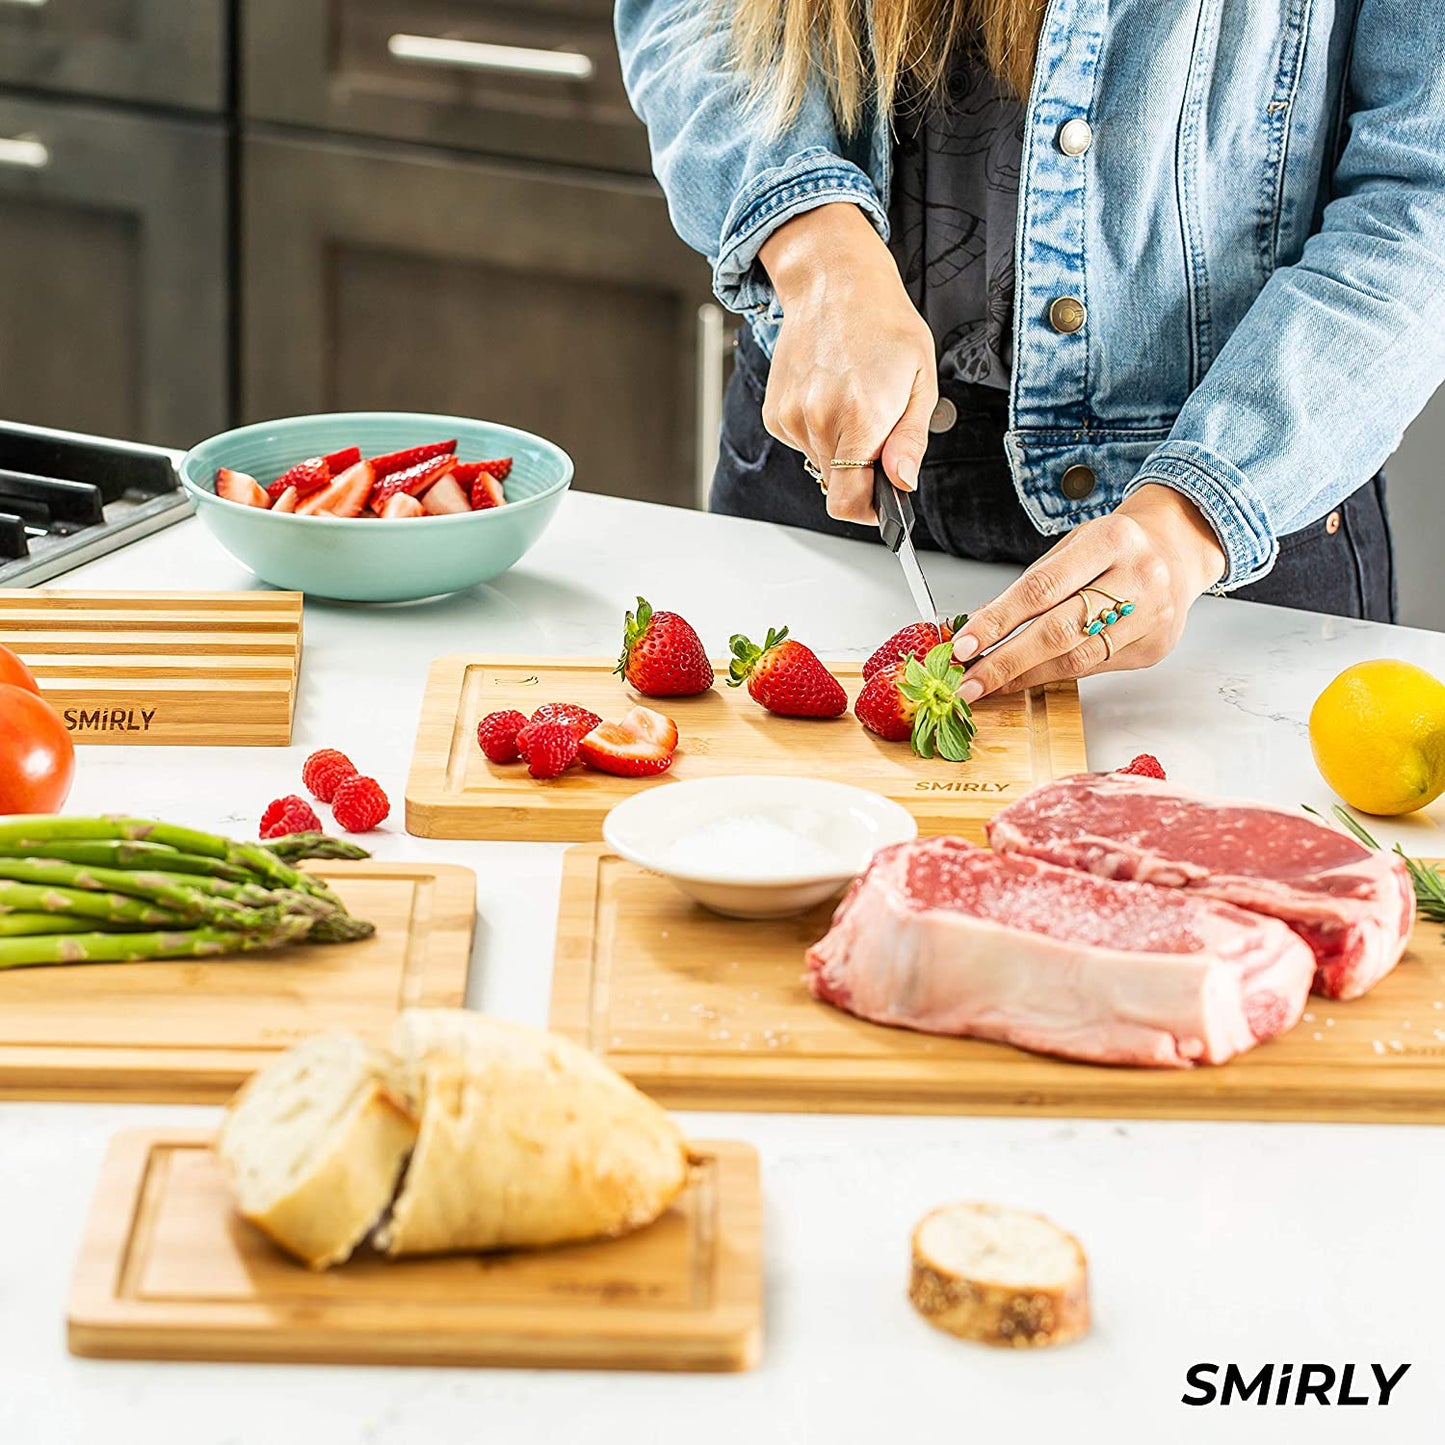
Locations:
(971, 691)
(908, 473)
(964, 647)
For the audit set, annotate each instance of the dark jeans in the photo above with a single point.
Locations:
(967, 506)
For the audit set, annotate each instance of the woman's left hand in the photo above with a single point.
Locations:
(1155, 550)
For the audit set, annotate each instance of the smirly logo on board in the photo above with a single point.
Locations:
(940, 785)
(1291, 1384)
(109, 719)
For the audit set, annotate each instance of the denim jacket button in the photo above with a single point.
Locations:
(1067, 315)
(1332, 523)
(1078, 482)
(1075, 136)
(943, 417)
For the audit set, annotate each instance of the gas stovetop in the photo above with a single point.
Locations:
(66, 499)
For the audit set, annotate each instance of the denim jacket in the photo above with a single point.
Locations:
(1256, 232)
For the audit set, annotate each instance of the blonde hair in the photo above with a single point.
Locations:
(865, 49)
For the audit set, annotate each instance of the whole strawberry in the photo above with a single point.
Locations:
(325, 771)
(551, 750)
(918, 639)
(661, 654)
(289, 815)
(359, 804)
(919, 701)
(497, 735)
(1146, 765)
(785, 677)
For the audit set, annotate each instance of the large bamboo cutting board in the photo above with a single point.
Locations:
(454, 792)
(711, 1013)
(172, 668)
(190, 1031)
(167, 1271)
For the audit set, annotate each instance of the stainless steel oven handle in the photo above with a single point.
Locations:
(24, 153)
(495, 59)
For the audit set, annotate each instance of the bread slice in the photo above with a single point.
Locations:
(314, 1144)
(526, 1139)
(999, 1276)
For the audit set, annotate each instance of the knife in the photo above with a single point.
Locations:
(895, 523)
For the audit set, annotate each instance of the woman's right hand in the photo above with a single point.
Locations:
(854, 373)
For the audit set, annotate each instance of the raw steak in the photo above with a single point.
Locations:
(1352, 905)
(951, 939)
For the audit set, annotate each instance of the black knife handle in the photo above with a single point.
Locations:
(895, 511)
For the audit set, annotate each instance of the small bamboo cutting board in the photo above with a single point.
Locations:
(705, 1012)
(191, 1031)
(165, 668)
(168, 1272)
(454, 792)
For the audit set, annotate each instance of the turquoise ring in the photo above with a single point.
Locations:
(1096, 622)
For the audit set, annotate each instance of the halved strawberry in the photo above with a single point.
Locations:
(238, 487)
(486, 492)
(307, 477)
(344, 497)
(415, 479)
(338, 462)
(410, 456)
(444, 498)
(641, 745)
(286, 502)
(500, 468)
(399, 504)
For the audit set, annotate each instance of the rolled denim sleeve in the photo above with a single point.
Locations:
(1342, 349)
(729, 182)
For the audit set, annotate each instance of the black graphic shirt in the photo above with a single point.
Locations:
(953, 214)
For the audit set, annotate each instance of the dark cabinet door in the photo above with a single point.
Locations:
(532, 78)
(113, 310)
(165, 52)
(396, 278)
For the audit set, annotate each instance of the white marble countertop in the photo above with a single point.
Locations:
(1219, 1242)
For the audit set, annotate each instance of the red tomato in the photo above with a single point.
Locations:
(37, 758)
(14, 672)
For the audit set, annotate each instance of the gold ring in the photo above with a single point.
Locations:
(845, 464)
(1108, 646)
(816, 475)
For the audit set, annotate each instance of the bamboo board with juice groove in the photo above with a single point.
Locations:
(705, 1012)
(164, 668)
(454, 792)
(191, 1031)
(167, 1271)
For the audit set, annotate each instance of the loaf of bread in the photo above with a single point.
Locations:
(526, 1139)
(469, 1133)
(999, 1276)
(314, 1144)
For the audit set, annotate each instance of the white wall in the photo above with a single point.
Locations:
(1416, 496)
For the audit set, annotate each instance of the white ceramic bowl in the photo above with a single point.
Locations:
(757, 847)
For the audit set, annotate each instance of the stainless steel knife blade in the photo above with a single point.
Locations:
(895, 523)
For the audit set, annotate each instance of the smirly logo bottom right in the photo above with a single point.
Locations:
(1291, 1384)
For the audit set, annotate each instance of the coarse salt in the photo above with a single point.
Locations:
(750, 845)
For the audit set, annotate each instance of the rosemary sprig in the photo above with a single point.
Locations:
(1429, 885)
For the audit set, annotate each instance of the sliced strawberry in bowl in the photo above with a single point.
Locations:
(306, 477)
(287, 501)
(410, 456)
(399, 504)
(445, 498)
(239, 487)
(413, 480)
(639, 745)
(346, 496)
(337, 462)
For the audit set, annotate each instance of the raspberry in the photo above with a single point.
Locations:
(1146, 765)
(324, 772)
(359, 804)
(289, 815)
(497, 735)
(551, 749)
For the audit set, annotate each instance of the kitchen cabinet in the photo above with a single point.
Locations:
(113, 287)
(160, 52)
(552, 299)
(532, 78)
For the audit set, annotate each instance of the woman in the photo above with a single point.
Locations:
(1176, 266)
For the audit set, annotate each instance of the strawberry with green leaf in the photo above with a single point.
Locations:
(786, 677)
(919, 701)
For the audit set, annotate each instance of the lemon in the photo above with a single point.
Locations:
(1378, 735)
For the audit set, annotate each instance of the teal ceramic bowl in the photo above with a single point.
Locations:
(368, 559)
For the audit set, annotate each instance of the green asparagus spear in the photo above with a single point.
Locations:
(110, 853)
(77, 902)
(295, 846)
(341, 928)
(15, 925)
(137, 947)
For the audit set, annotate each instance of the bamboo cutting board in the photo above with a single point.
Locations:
(168, 1272)
(705, 1012)
(454, 792)
(168, 668)
(190, 1031)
